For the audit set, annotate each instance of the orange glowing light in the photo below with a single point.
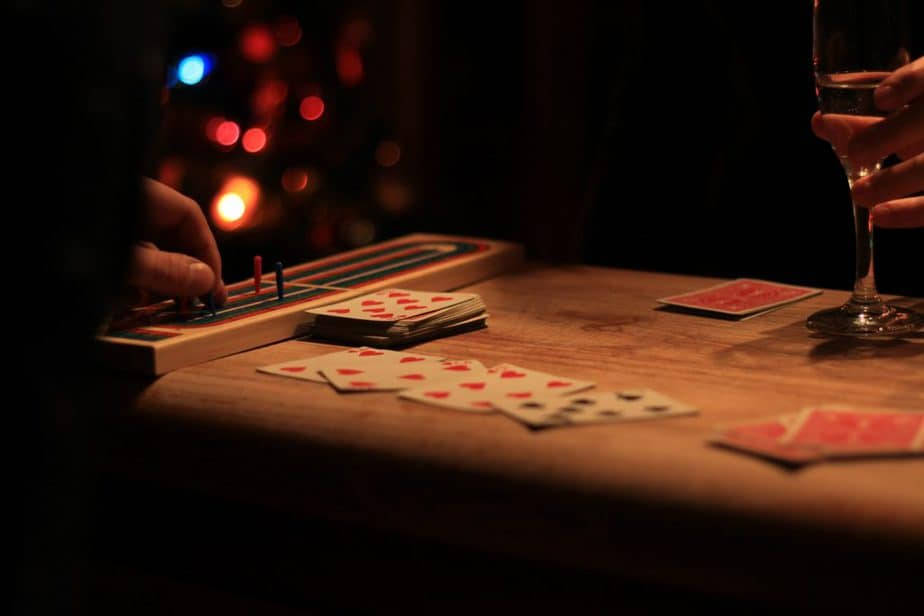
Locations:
(349, 66)
(235, 203)
(254, 140)
(288, 31)
(227, 133)
(388, 153)
(311, 108)
(294, 179)
(257, 43)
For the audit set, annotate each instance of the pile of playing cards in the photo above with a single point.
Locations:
(740, 299)
(396, 317)
(827, 432)
(536, 399)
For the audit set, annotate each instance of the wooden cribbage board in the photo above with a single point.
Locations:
(157, 339)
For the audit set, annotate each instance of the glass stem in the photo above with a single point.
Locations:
(864, 286)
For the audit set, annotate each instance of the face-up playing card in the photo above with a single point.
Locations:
(597, 407)
(762, 437)
(741, 297)
(391, 305)
(352, 377)
(505, 381)
(362, 358)
(839, 431)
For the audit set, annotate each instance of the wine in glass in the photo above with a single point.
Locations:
(857, 43)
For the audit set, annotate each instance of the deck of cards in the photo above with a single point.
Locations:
(396, 317)
(740, 299)
(827, 432)
(535, 399)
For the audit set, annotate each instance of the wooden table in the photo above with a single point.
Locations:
(648, 501)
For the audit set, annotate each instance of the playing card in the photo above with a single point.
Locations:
(595, 407)
(502, 381)
(840, 431)
(391, 305)
(363, 357)
(391, 377)
(741, 297)
(762, 437)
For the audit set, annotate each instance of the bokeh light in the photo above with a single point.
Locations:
(269, 95)
(231, 3)
(311, 108)
(387, 154)
(349, 66)
(254, 140)
(257, 43)
(236, 202)
(359, 232)
(227, 132)
(294, 179)
(231, 207)
(288, 31)
(192, 69)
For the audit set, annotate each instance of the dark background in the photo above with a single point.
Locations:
(626, 134)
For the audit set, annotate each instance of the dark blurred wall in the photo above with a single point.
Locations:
(643, 135)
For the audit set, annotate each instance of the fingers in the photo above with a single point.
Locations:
(901, 87)
(169, 273)
(900, 213)
(894, 182)
(897, 133)
(839, 129)
(177, 222)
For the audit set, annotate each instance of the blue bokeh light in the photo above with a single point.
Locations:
(192, 69)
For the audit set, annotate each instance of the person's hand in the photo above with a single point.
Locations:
(864, 140)
(175, 222)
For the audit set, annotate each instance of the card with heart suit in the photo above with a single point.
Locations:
(352, 377)
(504, 381)
(741, 297)
(841, 431)
(594, 408)
(391, 305)
(308, 369)
(761, 437)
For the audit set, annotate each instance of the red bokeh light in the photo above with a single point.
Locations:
(269, 95)
(257, 43)
(288, 31)
(311, 108)
(254, 140)
(227, 132)
(388, 153)
(349, 66)
(294, 180)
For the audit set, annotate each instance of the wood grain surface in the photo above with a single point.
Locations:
(650, 499)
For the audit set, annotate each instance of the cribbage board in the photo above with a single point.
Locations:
(157, 339)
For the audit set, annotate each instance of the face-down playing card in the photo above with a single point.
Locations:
(741, 297)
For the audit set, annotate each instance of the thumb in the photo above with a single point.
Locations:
(169, 273)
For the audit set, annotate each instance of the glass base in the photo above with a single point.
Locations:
(866, 320)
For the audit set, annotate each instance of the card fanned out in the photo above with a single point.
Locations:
(395, 317)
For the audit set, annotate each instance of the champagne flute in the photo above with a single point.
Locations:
(857, 43)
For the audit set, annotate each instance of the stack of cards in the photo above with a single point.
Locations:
(827, 432)
(536, 399)
(740, 299)
(396, 317)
